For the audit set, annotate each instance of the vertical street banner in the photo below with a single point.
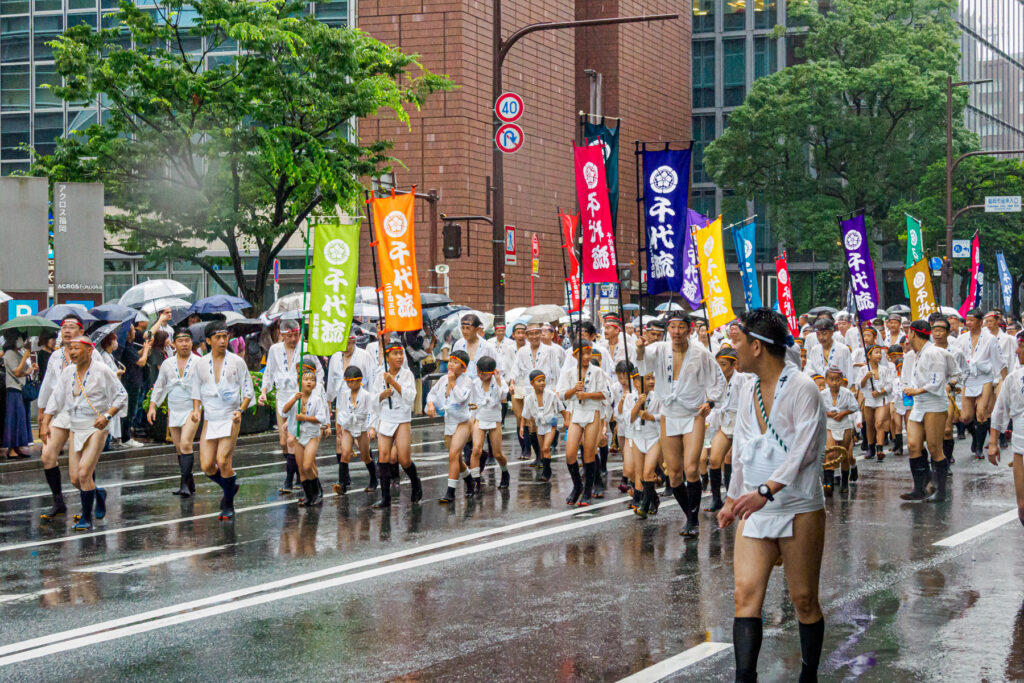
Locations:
(666, 182)
(785, 287)
(915, 246)
(717, 298)
(569, 223)
(691, 289)
(862, 269)
(332, 286)
(1005, 282)
(743, 237)
(78, 230)
(919, 284)
(598, 250)
(598, 134)
(396, 249)
(972, 289)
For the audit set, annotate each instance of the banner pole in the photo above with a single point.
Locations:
(743, 222)
(376, 283)
(641, 269)
(704, 301)
(566, 286)
(302, 320)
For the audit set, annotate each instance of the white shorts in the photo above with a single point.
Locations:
(543, 428)
(677, 426)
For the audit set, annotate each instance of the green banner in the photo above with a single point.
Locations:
(333, 286)
(610, 143)
(915, 246)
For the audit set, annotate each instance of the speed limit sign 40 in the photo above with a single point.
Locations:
(508, 107)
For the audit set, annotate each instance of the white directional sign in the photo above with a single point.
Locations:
(508, 107)
(1002, 204)
(961, 249)
(509, 138)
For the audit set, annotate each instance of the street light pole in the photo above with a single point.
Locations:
(501, 48)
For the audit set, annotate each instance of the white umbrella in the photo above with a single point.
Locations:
(151, 290)
(288, 302)
(513, 314)
(669, 306)
(179, 308)
(543, 313)
(948, 311)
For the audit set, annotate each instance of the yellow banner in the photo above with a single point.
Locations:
(919, 285)
(717, 298)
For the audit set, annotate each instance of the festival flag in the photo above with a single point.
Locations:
(569, 223)
(862, 269)
(1005, 281)
(667, 180)
(396, 249)
(785, 298)
(919, 284)
(333, 286)
(743, 237)
(972, 291)
(691, 289)
(915, 246)
(608, 139)
(598, 250)
(718, 299)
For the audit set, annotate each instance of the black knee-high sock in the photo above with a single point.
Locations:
(811, 638)
(384, 475)
(395, 473)
(947, 447)
(535, 445)
(829, 478)
(693, 492)
(291, 470)
(715, 475)
(680, 494)
(344, 478)
(746, 642)
(88, 498)
(228, 484)
(372, 469)
(524, 440)
(216, 478)
(53, 479)
(985, 426)
(726, 474)
(467, 453)
(602, 453)
(574, 474)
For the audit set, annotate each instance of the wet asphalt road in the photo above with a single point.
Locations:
(510, 587)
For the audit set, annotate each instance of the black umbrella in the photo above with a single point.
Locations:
(113, 312)
(431, 315)
(818, 310)
(429, 300)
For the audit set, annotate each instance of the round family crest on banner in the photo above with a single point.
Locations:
(336, 252)
(664, 179)
(590, 174)
(709, 246)
(606, 150)
(919, 280)
(783, 276)
(395, 224)
(913, 238)
(748, 248)
(852, 240)
(981, 278)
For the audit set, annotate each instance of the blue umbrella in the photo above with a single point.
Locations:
(113, 312)
(56, 313)
(630, 307)
(219, 303)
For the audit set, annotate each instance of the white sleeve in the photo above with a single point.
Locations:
(247, 389)
(528, 402)
(1001, 412)
(267, 382)
(808, 418)
(50, 380)
(58, 395)
(739, 441)
(115, 393)
(334, 377)
(716, 390)
(160, 386)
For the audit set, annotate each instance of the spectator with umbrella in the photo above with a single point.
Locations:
(105, 339)
(134, 357)
(18, 366)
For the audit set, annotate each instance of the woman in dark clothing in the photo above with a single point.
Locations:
(18, 366)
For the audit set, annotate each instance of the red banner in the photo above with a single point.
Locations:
(568, 239)
(396, 249)
(972, 293)
(786, 294)
(598, 251)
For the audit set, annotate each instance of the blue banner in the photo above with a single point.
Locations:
(666, 176)
(1005, 282)
(743, 239)
(862, 269)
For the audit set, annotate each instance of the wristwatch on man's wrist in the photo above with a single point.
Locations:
(765, 492)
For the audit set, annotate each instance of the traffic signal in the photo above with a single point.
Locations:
(452, 233)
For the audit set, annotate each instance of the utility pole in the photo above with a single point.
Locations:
(501, 48)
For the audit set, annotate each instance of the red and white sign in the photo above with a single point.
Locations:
(510, 245)
(535, 246)
(508, 107)
(509, 138)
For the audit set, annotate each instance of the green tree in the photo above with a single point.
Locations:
(197, 148)
(974, 179)
(851, 128)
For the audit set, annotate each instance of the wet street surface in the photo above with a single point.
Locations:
(512, 586)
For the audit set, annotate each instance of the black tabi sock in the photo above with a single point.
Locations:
(535, 445)
(384, 476)
(726, 474)
(88, 498)
(919, 471)
(947, 447)
(291, 470)
(844, 478)
(467, 453)
(411, 472)
(546, 471)
(216, 478)
(715, 476)
(344, 478)
(679, 492)
(986, 426)
(829, 478)
(705, 479)
(960, 428)
(746, 642)
(228, 484)
(811, 638)
(940, 469)
(589, 476)
(53, 479)
(371, 467)
(693, 492)
(574, 474)
(602, 453)
(524, 440)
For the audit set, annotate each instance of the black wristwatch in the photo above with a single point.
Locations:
(765, 492)
(711, 404)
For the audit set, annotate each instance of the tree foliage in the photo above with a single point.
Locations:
(851, 128)
(197, 148)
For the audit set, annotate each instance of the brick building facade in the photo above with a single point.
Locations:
(646, 80)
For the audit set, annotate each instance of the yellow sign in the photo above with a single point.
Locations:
(536, 266)
(717, 297)
(919, 286)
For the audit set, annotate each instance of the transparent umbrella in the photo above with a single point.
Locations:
(150, 290)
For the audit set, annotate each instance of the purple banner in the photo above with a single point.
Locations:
(862, 270)
(691, 289)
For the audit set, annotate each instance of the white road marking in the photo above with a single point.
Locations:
(18, 597)
(125, 566)
(669, 666)
(37, 647)
(977, 530)
(210, 515)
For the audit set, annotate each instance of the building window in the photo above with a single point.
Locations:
(734, 15)
(764, 13)
(704, 201)
(14, 131)
(13, 6)
(734, 75)
(47, 5)
(703, 16)
(703, 135)
(46, 80)
(48, 128)
(47, 28)
(14, 46)
(14, 88)
(703, 73)
(766, 57)
(332, 13)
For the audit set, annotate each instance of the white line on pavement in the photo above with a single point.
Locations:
(16, 597)
(977, 530)
(55, 639)
(669, 666)
(125, 566)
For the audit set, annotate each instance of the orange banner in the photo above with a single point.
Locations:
(396, 251)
